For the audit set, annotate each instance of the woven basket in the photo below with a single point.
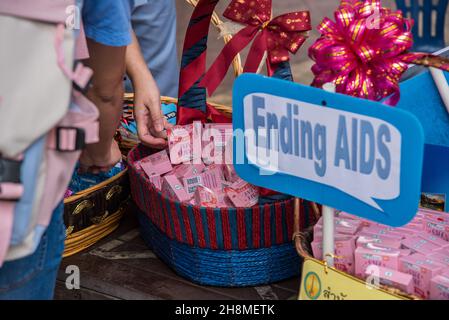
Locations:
(303, 238)
(220, 267)
(92, 214)
(214, 246)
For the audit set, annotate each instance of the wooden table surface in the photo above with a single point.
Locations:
(122, 267)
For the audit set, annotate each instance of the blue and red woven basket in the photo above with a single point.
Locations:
(214, 246)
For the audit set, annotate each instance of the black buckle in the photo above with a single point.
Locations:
(10, 170)
(80, 136)
(82, 90)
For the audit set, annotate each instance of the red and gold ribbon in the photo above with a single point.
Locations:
(278, 37)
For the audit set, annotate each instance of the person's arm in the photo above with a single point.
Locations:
(108, 64)
(147, 104)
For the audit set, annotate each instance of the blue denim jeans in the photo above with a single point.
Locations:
(34, 277)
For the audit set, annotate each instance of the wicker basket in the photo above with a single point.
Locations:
(92, 214)
(214, 246)
(303, 238)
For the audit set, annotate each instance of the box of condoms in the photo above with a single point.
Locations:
(391, 278)
(401, 232)
(436, 227)
(223, 200)
(344, 215)
(156, 164)
(420, 245)
(197, 142)
(373, 246)
(212, 178)
(206, 197)
(382, 237)
(434, 239)
(439, 257)
(378, 240)
(385, 257)
(185, 170)
(439, 287)
(191, 183)
(180, 143)
(156, 181)
(173, 188)
(422, 269)
(242, 194)
(184, 143)
(217, 143)
(433, 214)
(343, 226)
(414, 226)
(376, 230)
(229, 173)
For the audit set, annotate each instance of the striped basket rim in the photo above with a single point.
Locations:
(215, 228)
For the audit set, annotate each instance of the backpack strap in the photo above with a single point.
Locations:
(7, 217)
(82, 74)
(69, 138)
(11, 190)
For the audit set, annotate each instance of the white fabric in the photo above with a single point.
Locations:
(28, 61)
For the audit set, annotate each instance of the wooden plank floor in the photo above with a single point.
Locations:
(122, 267)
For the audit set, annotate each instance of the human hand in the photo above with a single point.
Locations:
(91, 161)
(151, 123)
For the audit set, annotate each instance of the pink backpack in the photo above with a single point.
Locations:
(44, 122)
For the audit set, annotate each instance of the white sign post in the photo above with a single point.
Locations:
(328, 235)
(328, 217)
(442, 85)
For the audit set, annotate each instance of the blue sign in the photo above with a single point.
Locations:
(420, 96)
(351, 154)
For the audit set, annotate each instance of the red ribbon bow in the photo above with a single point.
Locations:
(279, 37)
(366, 51)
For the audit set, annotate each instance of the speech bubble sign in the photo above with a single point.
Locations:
(351, 154)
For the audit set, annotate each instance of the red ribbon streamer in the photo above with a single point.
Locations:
(187, 115)
(365, 51)
(279, 37)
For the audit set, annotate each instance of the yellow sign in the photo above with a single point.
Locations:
(321, 283)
